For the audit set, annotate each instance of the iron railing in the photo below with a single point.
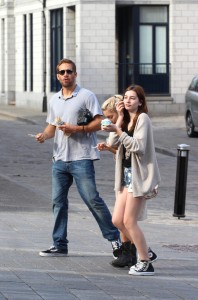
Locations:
(155, 78)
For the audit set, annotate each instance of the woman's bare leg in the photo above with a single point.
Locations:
(132, 209)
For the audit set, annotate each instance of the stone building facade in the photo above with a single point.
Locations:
(114, 43)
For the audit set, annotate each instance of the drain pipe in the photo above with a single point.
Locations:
(44, 109)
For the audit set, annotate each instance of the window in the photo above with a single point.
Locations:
(31, 51)
(153, 14)
(143, 47)
(2, 70)
(153, 39)
(56, 39)
(194, 84)
(25, 51)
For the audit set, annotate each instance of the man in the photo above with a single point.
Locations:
(73, 156)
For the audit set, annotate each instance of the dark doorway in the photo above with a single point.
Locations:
(142, 33)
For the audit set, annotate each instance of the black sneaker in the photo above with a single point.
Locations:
(142, 268)
(152, 255)
(128, 256)
(117, 249)
(124, 261)
(53, 251)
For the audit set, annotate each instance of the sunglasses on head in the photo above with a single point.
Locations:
(62, 72)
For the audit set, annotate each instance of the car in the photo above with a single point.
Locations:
(191, 108)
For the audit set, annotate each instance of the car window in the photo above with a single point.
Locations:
(193, 85)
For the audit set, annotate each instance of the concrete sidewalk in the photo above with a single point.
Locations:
(35, 116)
(26, 224)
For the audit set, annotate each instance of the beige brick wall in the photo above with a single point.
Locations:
(7, 52)
(89, 40)
(95, 46)
(183, 46)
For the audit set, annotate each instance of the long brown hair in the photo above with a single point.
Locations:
(141, 109)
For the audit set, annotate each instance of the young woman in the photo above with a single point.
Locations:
(128, 255)
(110, 112)
(136, 172)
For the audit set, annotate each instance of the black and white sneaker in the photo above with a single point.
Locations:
(53, 251)
(152, 255)
(117, 248)
(142, 268)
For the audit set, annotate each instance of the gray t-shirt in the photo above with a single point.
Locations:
(77, 146)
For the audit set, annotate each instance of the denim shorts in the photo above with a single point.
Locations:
(127, 179)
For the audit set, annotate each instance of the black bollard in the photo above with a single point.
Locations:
(181, 180)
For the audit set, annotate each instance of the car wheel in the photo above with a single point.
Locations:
(190, 127)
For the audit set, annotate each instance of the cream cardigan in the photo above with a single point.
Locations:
(145, 171)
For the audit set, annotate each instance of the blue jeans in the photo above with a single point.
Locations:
(127, 179)
(84, 175)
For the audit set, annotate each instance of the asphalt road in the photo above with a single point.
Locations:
(26, 222)
(28, 163)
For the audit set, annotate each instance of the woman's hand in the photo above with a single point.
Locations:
(113, 128)
(120, 108)
(109, 128)
(105, 147)
(102, 147)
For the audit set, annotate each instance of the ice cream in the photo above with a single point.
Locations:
(59, 122)
(105, 122)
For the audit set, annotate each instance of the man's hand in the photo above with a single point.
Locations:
(68, 128)
(41, 137)
(48, 133)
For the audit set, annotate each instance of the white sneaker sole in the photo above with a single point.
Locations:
(141, 273)
(52, 254)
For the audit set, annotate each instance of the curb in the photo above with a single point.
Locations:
(13, 116)
(158, 149)
(165, 151)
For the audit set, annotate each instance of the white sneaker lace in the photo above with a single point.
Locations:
(141, 266)
(115, 245)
